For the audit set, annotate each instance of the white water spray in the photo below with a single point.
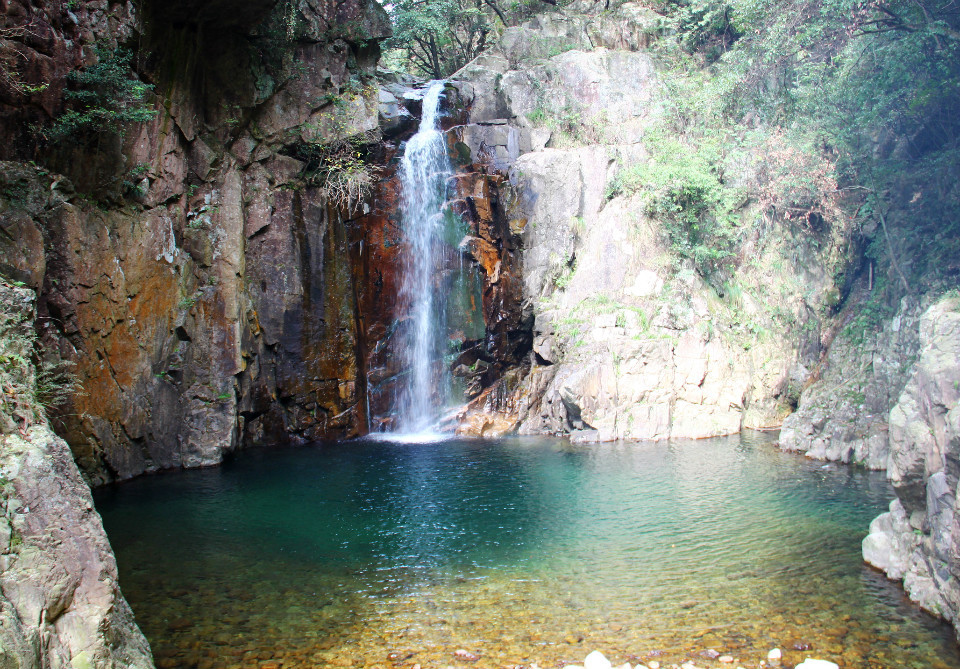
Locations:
(426, 169)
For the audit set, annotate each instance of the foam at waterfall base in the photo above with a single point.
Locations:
(423, 437)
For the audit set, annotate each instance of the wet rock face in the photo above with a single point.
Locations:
(495, 334)
(217, 305)
(918, 539)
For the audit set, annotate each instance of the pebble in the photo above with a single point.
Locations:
(773, 657)
(462, 654)
(811, 663)
(726, 659)
(653, 664)
(597, 660)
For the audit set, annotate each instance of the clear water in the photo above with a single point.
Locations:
(425, 169)
(389, 554)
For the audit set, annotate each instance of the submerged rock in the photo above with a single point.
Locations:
(817, 664)
(597, 660)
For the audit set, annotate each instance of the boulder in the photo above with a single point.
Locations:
(597, 660)
(843, 416)
(61, 605)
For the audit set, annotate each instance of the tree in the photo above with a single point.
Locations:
(439, 37)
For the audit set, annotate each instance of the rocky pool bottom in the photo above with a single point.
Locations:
(518, 551)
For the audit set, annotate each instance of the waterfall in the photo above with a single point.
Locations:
(425, 170)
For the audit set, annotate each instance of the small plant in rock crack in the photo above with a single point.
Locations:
(340, 169)
(30, 383)
(133, 181)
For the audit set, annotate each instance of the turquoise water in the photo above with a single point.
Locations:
(376, 553)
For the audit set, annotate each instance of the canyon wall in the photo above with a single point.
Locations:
(217, 281)
(204, 280)
(631, 340)
(226, 273)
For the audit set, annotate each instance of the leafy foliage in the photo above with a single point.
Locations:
(683, 187)
(103, 98)
(842, 107)
(705, 27)
(438, 37)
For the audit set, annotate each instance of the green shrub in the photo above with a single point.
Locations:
(683, 188)
(29, 383)
(103, 98)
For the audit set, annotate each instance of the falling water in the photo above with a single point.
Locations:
(426, 169)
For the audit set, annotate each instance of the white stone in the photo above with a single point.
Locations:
(817, 664)
(646, 284)
(539, 138)
(774, 654)
(597, 660)
(653, 664)
(605, 320)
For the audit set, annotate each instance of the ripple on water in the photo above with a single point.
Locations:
(380, 553)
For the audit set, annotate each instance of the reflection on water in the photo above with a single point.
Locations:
(521, 550)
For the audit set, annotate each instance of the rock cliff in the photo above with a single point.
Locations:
(844, 410)
(630, 340)
(917, 539)
(204, 271)
(60, 604)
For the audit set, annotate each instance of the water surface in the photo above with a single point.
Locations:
(520, 550)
